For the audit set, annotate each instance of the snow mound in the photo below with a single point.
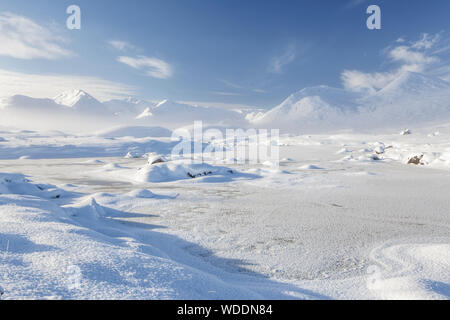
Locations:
(154, 158)
(141, 193)
(20, 185)
(13, 183)
(310, 167)
(310, 106)
(88, 209)
(179, 170)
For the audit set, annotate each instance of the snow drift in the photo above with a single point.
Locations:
(179, 170)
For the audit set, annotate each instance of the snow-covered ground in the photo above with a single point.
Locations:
(343, 217)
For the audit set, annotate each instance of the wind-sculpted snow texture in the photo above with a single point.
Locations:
(343, 216)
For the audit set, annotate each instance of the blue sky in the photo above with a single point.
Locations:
(245, 52)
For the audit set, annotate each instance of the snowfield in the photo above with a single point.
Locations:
(343, 217)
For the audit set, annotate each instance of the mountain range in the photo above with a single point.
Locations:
(409, 99)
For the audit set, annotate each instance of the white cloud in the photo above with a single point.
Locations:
(224, 93)
(408, 56)
(231, 84)
(278, 63)
(415, 57)
(121, 45)
(45, 86)
(354, 3)
(152, 67)
(22, 38)
(236, 86)
(358, 81)
(259, 90)
(221, 105)
(427, 41)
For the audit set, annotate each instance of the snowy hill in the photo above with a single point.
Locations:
(20, 102)
(76, 110)
(170, 113)
(410, 98)
(412, 83)
(129, 107)
(311, 107)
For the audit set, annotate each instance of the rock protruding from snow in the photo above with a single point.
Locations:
(405, 132)
(154, 158)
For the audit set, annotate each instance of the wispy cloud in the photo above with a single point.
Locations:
(357, 2)
(152, 67)
(259, 90)
(278, 63)
(415, 56)
(427, 41)
(121, 45)
(224, 93)
(231, 84)
(221, 105)
(354, 3)
(22, 38)
(407, 55)
(357, 80)
(239, 87)
(45, 85)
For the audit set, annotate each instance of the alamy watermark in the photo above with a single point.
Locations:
(74, 276)
(73, 22)
(374, 20)
(234, 146)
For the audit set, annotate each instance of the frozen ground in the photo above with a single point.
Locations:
(343, 217)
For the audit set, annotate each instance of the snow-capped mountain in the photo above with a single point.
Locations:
(81, 101)
(78, 108)
(409, 98)
(413, 83)
(314, 104)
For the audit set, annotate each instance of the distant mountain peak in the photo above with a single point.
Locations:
(71, 98)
